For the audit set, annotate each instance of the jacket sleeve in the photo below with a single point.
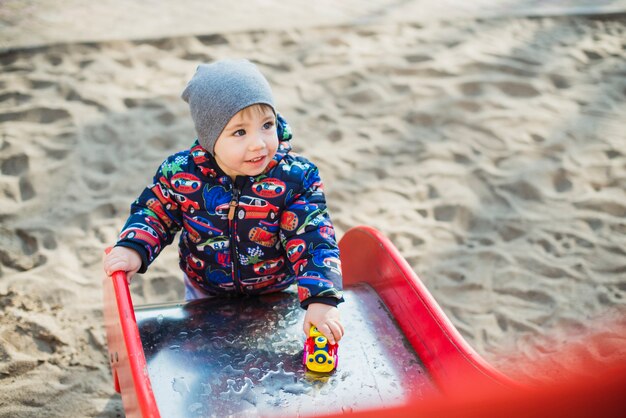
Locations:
(308, 237)
(155, 217)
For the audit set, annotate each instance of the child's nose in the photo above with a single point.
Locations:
(257, 143)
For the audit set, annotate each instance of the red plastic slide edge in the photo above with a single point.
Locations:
(126, 356)
(368, 256)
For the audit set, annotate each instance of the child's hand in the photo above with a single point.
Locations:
(326, 320)
(124, 259)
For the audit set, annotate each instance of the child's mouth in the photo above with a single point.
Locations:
(256, 160)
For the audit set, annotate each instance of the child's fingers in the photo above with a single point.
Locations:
(306, 327)
(114, 265)
(327, 331)
(336, 329)
(341, 328)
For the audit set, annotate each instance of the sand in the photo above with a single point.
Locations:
(490, 151)
(25, 23)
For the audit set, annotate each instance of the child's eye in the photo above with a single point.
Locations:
(268, 125)
(240, 132)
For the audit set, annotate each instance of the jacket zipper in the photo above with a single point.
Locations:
(232, 225)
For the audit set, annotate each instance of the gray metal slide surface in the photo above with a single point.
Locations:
(243, 357)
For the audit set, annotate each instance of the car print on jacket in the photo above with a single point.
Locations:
(142, 232)
(333, 263)
(194, 262)
(220, 278)
(199, 227)
(199, 154)
(269, 266)
(214, 244)
(298, 266)
(213, 197)
(192, 274)
(289, 220)
(185, 183)
(255, 208)
(164, 196)
(269, 187)
(147, 236)
(250, 208)
(222, 258)
(295, 248)
(299, 169)
(155, 206)
(185, 203)
(154, 224)
(312, 221)
(263, 237)
(261, 282)
(327, 232)
(261, 248)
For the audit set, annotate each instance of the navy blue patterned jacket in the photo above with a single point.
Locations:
(254, 235)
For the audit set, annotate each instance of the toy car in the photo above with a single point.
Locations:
(319, 354)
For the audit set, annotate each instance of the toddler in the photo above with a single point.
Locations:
(252, 214)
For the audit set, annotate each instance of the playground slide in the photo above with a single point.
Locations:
(242, 357)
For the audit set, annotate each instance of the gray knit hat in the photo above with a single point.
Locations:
(219, 90)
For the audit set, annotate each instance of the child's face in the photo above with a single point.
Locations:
(248, 142)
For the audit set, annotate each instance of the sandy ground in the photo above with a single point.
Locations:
(491, 152)
(25, 23)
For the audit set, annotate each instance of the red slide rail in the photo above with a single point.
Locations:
(368, 256)
(126, 356)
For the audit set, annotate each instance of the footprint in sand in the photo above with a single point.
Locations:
(524, 190)
(508, 69)
(38, 84)
(468, 105)
(445, 213)
(561, 182)
(513, 89)
(517, 89)
(471, 88)
(97, 178)
(27, 191)
(417, 58)
(509, 232)
(42, 115)
(158, 288)
(35, 339)
(17, 166)
(212, 40)
(364, 96)
(14, 98)
(14, 165)
(559, 81)
(144, 103)
(19, 250)
(72, 95)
